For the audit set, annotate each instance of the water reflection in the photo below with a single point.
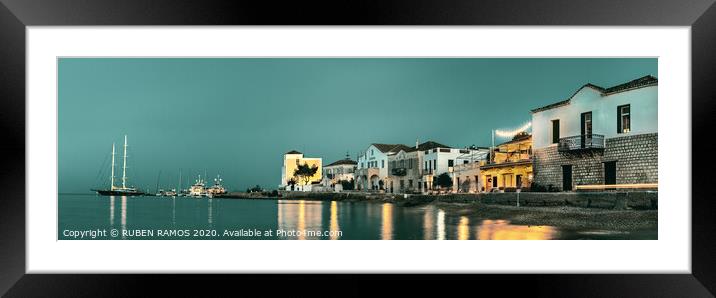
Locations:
(441, 224)
(300, 217)
(429, 224)
(463, 228)
(386, 231)
(174, 212)
(334, 221)
(124, 215)
(503, 230)
(111, 211)
(210, 216)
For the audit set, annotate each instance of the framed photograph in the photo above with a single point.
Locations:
(546, 145)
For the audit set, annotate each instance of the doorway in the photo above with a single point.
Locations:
(610, 172)
(567, 177)
(518, 181)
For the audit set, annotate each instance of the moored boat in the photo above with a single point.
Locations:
(123, 190)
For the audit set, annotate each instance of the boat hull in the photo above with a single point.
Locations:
(118, 193)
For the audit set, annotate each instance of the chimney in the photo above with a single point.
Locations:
(417, 142)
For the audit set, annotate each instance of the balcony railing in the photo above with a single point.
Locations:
(398, 171)
(581, 142)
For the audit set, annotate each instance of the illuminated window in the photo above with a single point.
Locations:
(623, 119)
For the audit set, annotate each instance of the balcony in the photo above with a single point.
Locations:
(466, 166)
(398, 171)
(581, 142)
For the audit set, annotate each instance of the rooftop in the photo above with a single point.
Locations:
(390, 147)
(427, 146)
(642, 82)
(518, 138)
(293, 152)
(345, 161)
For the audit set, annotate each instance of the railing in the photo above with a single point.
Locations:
(466, 166)
(581, 142)
(398, 171)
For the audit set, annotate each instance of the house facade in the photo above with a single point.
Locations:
(339, 171)
(436, 159)
(291, 160)
(466, 173)
(598, 136)
(404, 171)
(372, 166)
(510, 166)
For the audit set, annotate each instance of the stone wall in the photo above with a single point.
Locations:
(636, 157)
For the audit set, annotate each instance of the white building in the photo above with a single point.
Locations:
(338, 171)
(291, 161)
(598, 136)
(404, 171)
(466, 173)
(436, 159)
(372, 170)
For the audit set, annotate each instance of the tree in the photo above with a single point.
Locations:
(291, 182)
(304, 172)
(347, 184)
(443, 180)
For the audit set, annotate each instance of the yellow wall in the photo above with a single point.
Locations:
(292, 164)
(513, 170)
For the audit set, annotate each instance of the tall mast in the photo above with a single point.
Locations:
(111, 187)
(158, 176)
(124, 165)
(179, 189)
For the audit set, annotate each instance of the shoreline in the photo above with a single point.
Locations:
(637, 200)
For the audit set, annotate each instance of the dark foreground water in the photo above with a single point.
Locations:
(96, 217)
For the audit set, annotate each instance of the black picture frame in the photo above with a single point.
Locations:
(15, 15)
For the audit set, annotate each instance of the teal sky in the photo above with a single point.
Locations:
(238, 116)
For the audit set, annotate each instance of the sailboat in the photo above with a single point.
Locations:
(119, 190)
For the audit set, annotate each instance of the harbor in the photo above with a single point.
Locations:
(408, 155)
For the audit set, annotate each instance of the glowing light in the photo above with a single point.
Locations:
(463, 228)
(509, 134)
(334, 221)
(387, 222)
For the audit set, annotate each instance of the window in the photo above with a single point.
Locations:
(371, 152)
(435, 164)
(382, 164)
(426, 165)
(465, 161)
(451, 163)
(555, 131)
(587, 124)
(410, 183)
(623, 119)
